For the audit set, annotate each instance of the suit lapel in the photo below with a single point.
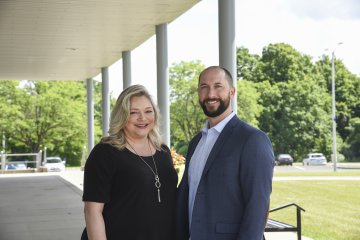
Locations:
(223, 137)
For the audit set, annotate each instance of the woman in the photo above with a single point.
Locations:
(129, 180)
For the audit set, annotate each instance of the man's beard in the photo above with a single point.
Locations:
(224, 104)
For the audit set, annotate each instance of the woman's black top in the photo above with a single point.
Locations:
(121, 180)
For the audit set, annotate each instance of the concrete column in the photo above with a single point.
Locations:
(44, 160)
(227, 47)
(105, 100)
(126, 57)
(163, 81)
(90, 114)
(38, 160)
(3, 160)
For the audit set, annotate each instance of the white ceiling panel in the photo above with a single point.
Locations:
(74, 39)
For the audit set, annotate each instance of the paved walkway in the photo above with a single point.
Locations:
(48, 206)
(39, 207)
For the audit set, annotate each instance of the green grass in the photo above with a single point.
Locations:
(332, 207)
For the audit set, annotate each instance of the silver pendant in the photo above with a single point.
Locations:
(158, 185)
(159, 199)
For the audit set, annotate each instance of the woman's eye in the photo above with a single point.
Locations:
(131, 113)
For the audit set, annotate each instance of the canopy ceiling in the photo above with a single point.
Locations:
(74, 39)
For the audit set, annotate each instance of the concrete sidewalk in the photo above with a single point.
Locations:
(48, 206)
(39, 207)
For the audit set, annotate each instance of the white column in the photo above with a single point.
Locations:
(3, 160)
(163, 81)
(105, 100)
(90, 114)
(227, 47)
(126, 58)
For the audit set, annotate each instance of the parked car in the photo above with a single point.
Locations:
(284, 159)
(15, 166)
(54, 164)
(315, 159)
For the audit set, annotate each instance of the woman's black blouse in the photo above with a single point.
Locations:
(121, 180)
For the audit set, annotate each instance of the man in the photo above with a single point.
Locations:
(226, 186)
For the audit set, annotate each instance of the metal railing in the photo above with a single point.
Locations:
(37, 161)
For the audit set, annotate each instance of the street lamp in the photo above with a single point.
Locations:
(333, 105)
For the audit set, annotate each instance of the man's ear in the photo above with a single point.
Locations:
(232, 92)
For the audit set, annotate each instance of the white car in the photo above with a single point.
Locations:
(15, 166)
(314, 159)
(54, 164)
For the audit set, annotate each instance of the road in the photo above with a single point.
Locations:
(322, 168)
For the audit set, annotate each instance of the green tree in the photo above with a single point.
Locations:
(347, 93)
(282, 63)
(44, 113)
(186, 116)
(295, 106)
(248, 108)
(352, 146)
(295, 117)
(246, 63)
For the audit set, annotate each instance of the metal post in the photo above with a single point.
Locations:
(298, 222)
(334, 158)
(333, 108)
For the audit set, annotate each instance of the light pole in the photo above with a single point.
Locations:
(333, 105)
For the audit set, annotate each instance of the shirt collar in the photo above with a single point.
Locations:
(218, 127)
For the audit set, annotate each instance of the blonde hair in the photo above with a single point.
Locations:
(120, 115)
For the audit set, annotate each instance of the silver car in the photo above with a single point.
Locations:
(314, 159)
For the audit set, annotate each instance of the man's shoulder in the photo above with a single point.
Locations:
(243, 128)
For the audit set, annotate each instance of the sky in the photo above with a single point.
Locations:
(310, 26)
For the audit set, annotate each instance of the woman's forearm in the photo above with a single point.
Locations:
(95, 225)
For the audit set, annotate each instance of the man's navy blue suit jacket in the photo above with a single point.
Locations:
(233, 195)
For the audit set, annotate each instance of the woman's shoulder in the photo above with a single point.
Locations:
(105, 149)
(165, 148)
(104, 152)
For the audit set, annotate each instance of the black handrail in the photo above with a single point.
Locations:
(298, 216)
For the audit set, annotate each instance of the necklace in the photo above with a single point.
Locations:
(157, 179)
